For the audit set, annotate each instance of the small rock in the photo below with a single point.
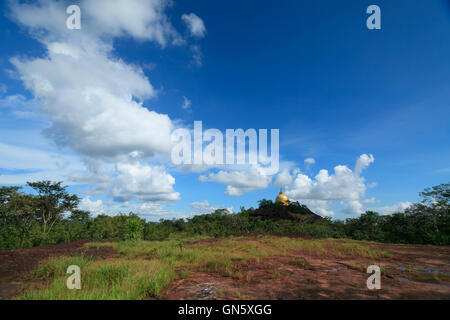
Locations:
(206, 292)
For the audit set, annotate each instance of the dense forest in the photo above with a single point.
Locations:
(50, 215)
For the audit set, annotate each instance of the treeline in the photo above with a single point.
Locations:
(50, 215)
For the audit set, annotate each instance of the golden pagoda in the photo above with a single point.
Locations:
(282, 198)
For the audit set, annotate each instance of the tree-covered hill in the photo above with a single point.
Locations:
(294, 211)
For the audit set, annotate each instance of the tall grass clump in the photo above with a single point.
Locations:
(58, 267)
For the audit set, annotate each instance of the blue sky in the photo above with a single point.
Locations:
(335, 89)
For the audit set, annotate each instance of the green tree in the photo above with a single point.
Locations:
(52, 201)
(16, 214)
(6, 193)
(135, 228)
(22, 208)
(81, 216)
(437, 197)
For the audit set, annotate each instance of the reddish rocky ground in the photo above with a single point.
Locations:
(411, 272)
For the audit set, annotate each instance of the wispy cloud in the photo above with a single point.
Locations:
(195, 25)
(186, 103)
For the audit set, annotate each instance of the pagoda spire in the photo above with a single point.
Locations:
(282, 198)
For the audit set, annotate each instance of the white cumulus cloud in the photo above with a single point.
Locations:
(204, 207)
(143, 182)
(284, 178)
(93, 99)
(90, 101)
(343, 186)
(398, 207)
(239, 182)
(95, 207)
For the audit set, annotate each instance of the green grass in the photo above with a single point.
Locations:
(358, 250)
(302, 263)
(112, 280)
(58, 267)
(223, 257)
(142, 269)
(339, 248)
(357, 267)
